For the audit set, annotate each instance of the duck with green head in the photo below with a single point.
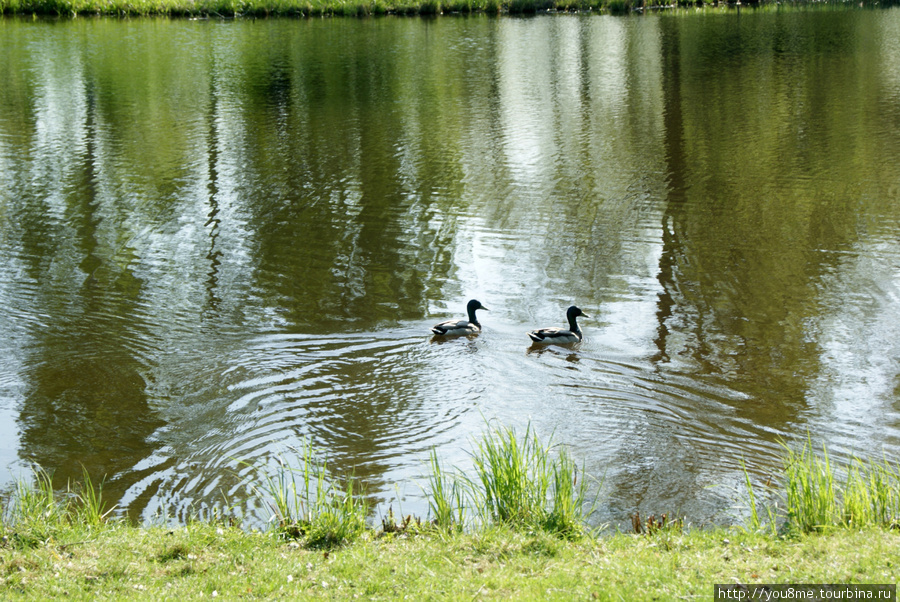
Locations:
(464, 326)
(545, 336)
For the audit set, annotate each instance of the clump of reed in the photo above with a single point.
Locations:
(518, 482)
(446, 497)
(310, 503)
(817, 497)
(34, 512)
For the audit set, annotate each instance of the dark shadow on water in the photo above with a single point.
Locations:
(569, 351)
(440, 339)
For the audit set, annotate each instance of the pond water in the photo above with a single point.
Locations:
(220, 239)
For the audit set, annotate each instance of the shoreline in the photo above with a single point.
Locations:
(304, 9)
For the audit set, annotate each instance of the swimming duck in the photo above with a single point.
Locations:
(561, 335)
(457, 327)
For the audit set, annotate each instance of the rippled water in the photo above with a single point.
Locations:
(219, 239)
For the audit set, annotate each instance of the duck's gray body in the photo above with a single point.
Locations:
(461, 327)
(547, 336)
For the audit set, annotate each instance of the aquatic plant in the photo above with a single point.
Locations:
(35, 512)
(89, 507)
(756, 523)
(810, 494)
(519, 483)
(817, 497)
(309, 502)
(446, 497)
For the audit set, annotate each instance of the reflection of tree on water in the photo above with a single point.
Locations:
(351, 231)
(673, 141)
(729, 309)
(741, 271)
(214, 255)
(344, 233)
(85, 404)
(729, 305)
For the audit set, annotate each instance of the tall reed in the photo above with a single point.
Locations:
(90, 509)
(35, 511)
(817, 497)
(756, 524)
(446, 497)
(567, 514)
(871, 494)
(513, 476)
(810, 494)
(309, 502)
(518, 483)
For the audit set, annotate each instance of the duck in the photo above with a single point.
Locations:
(561, 335)
(459, 327)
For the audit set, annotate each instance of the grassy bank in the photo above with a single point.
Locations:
(204, 560)
(513, 528)
(317, 8)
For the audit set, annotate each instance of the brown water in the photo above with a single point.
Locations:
(220, 238)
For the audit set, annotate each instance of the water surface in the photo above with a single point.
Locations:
(219, 239)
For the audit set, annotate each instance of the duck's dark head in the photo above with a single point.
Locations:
(573, 312)
(475, 304)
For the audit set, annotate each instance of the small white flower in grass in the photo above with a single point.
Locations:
(290, 578)
(215, 593)
(324, 584)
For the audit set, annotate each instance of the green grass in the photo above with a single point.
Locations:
(446, 497)
(204, 559)
(526, 541)
(518, 482)
(817, 498)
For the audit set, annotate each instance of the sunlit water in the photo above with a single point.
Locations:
(219, 240)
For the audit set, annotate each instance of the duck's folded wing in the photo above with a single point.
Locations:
(450, 325)
(552, 334)
(546, 332)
